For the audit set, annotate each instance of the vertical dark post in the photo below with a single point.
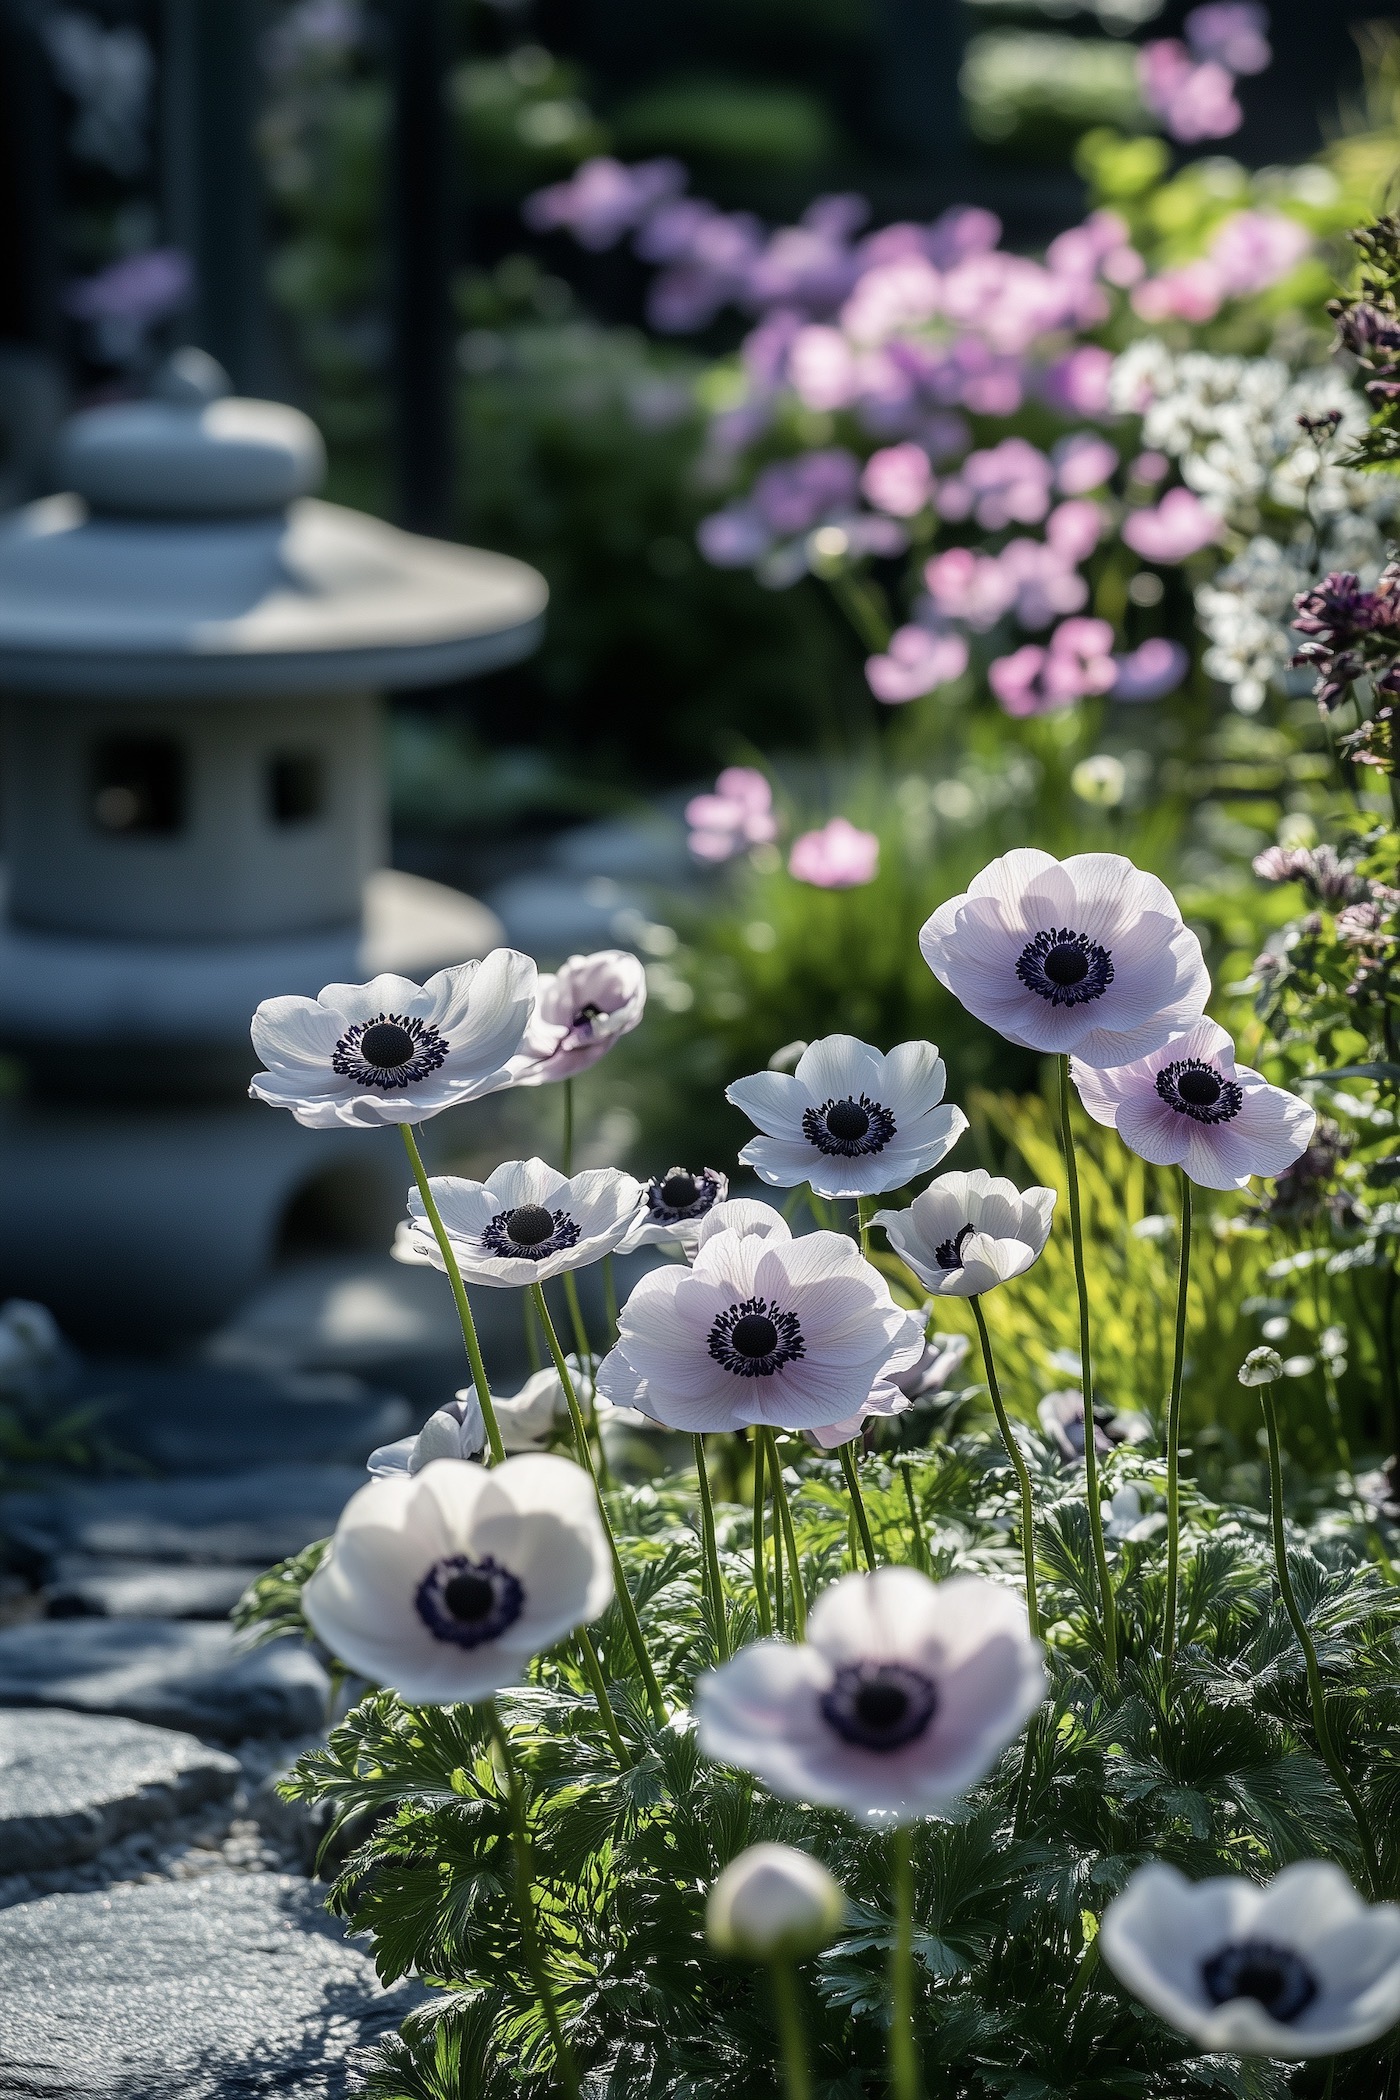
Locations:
(213, 193)
(421, 244)
(921, 52)
(29, 186)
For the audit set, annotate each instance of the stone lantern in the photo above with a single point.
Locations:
(192, 653)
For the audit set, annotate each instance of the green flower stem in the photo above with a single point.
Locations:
(1183, 1279)
(593, 1670)
(865, 1210)
(1316, 1692)
(1091, 1457)
(904, 2055)
(713, 1580)
(784, 1510)
(760, 1573)
(921, 1557)
(1018, 1463)
(585, 1459)
(525, 1901)
(532, 1333)
(568, 1167)
(610, 1295)
(852, 1472)
(780, 1617)
(590, 1365)
(787, 2011)
(459, 1292)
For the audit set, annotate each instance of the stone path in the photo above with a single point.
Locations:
(215, 1989)
(158, 1934)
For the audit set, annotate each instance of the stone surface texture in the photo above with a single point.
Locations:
(173, 1673)
(238, 1518)
(80, 1587)
(72, 1783)
(214, 1989)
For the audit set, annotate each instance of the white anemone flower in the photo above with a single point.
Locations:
(1300, 1967)
(1189, 1105)
(442, 1584)
(969, 1232)
(774, 1903)
(580, 1012)
(884, 1399)
(524, 1223)
(391, 1051)
(849, 1121)
(902, 1697)
(789, 1333)
(1087, 955)
(674, 1207)
(743, 1215)
(455, 1430)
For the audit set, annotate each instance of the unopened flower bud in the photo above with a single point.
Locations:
(772, 1904)
(1261, 1367)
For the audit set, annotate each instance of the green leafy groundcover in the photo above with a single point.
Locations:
(1214, 1767)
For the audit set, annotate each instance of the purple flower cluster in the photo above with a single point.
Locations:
(1190, 87)
(1249, 251)
(1350, 632)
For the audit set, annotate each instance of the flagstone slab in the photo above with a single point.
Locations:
(183, 1674)
(249, 1518)
(234, 1987)
(71, 1783)
(214, 1418)
(81, 1586)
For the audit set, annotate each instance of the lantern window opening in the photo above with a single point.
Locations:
(139, 786)
(296, 787)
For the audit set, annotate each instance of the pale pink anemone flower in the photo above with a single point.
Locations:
(902, 1697)
(838, 857)
(580, 1012)
(788, 1333)
(442, 1584)
(1087, 956)
(967, 1233)
(738, 814)
(849, 1121)
(392, 1051)
(1180, 525)
(1190, 1105)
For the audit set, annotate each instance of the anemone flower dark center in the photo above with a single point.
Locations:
(467, 1602)
(393, 1050)
(1273, 1976)
(1194, 1088)
(679, 1191)
(529, 1232)
(1065, 967)
(529, 1224)
(949, 1253)
(880, 1706)
(848, 1129)
(587, 1015)
(386, 1044)
(755, 1338)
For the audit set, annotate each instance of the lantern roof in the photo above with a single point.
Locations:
(189, 555)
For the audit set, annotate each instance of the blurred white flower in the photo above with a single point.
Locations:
(456, 1430)
(442, 1584)
(1300, 1967)
(902, 1697)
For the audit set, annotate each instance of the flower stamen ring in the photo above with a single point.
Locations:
(1065, 967)
(394, 1050)
(849, 1129)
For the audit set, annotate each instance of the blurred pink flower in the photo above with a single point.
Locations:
(602, 200)
(1010, 484)
(822, 369)
(1234, 32)
(1192, 102)
(1150, 467)
(1043, 583)
(1124, 268)
(738, 814)
(892, 296)
(1194, 292)
(1080, 655)
(838, 857)
(1254, 249)
(1083, 461)
(1078, 382)
(1036, 681)
(1151, 671)
(970, 587)
(915, 663)
(1073, 529)
(1015, 680)
(1180, 525)
(898, 480)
